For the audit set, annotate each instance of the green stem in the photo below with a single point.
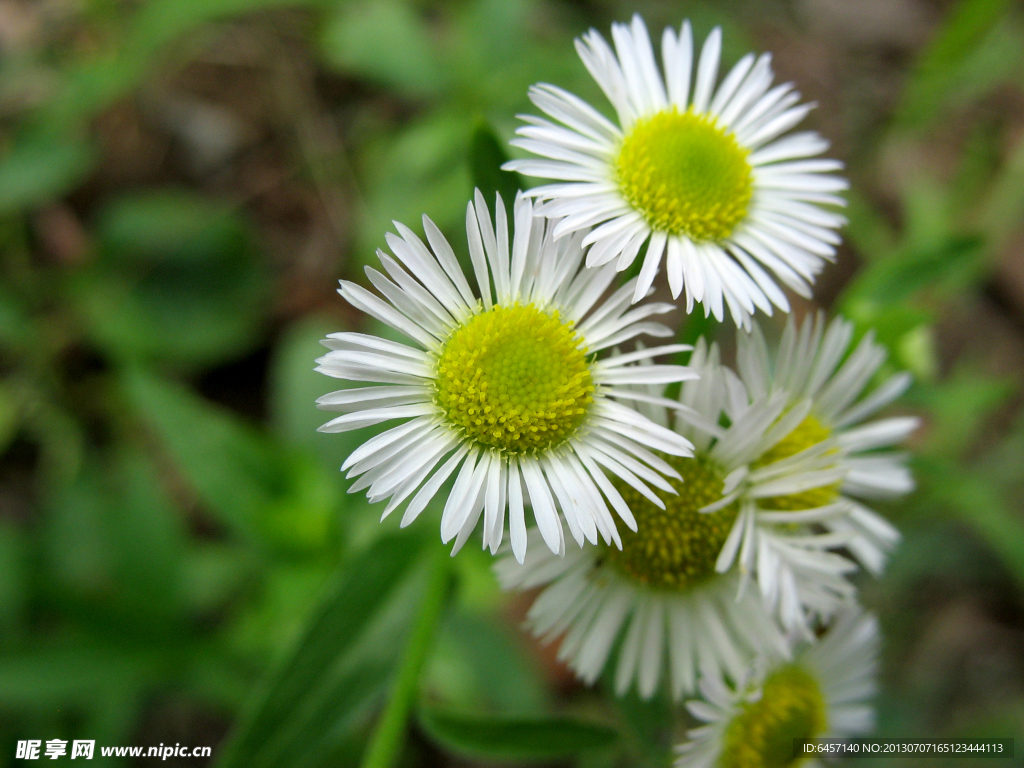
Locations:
(694, 326)
(386, 743)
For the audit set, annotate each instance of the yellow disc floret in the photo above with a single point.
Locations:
(761, 735)
(809, 432)
(685, 174)
(515, 379)
(676, 547)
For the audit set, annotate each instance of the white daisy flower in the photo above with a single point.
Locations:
(768, 490)
(506, 387)
(593, 598)
(822, 692)
(810, 373)
(680, 609)
(706, 175)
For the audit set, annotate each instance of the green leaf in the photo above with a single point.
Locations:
(866, 228)
(486, 156)
(959, 409)
(223, 460)
(148, 538)
(897, 278)
(211, 573)
(132, 319)
(972, 497)
(980, 161)
(53, 678)
(254, 486)
(38, 170)
(15, 326)
(10, 412)
(279, 608)
(1003, 463)
(647, 725)
(340, 668)
(170, 225)
(889, 322)
(477, 663)
(1003, 210)
(963, 33)
(76, 553)
(519, 739)
(172, 260)
(385, 41)
(295, 387)
(113, 541)
(14, 584)
(916, 352)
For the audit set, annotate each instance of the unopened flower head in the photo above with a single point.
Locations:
(822, 691)
(703, 172)
(680, 604)
(504, 390)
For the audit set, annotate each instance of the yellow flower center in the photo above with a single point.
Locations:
(685, 174)
(676, 547)
(515, 379)
(808, 432)
(761, 735)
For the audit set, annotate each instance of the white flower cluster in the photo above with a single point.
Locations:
(742, 504)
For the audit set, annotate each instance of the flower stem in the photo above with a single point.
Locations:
(694, 326)
(386, 742)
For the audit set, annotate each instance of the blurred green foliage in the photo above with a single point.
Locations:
(510, 739)
(172, 527)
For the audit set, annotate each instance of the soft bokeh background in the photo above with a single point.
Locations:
(181, 184)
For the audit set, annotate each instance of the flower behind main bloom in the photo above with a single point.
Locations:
(507, 386)
(781, 457)
(815, 370)
(821, 692)
(666, 593)
(703, 174)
